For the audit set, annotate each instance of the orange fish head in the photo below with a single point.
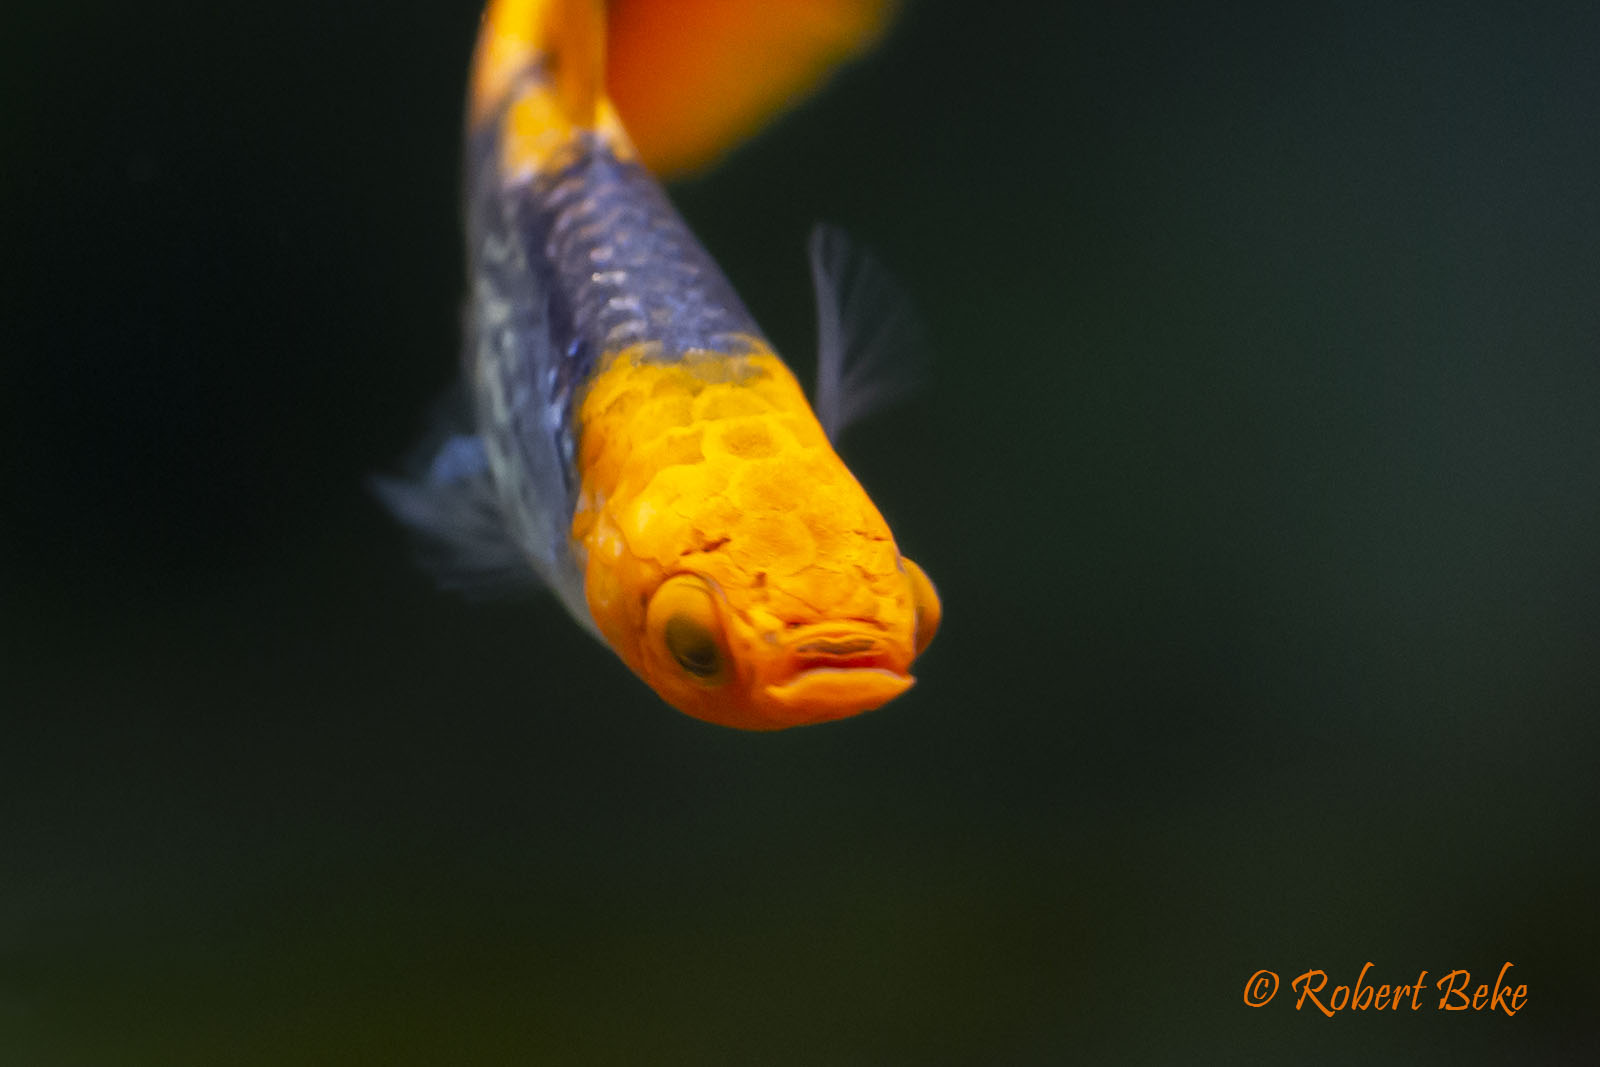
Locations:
(719, 653)
(730, 557)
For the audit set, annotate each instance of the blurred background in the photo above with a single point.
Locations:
(1259, 476)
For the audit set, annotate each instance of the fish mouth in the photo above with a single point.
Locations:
(840, 652)
(833, 672)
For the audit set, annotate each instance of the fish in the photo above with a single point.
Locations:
(624, 434)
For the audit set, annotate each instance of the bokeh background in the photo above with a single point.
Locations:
(1259, 475)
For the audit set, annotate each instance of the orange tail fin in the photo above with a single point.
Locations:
(692, 78)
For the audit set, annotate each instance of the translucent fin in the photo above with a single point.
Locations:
(871, 348)
(693, 78)
(448, 501)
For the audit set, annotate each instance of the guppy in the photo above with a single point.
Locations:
(630, 438)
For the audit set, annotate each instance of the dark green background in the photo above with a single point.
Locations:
(1260, 476)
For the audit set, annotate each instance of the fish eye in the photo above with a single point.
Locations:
(693, 647)
(682, 619)
(926, 600)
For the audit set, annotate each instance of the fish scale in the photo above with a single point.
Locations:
(621, 265)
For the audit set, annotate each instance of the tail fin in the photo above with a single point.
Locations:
(693, 78)
(564, 38)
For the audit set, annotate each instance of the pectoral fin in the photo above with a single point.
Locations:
(871, 348)
(448, 501)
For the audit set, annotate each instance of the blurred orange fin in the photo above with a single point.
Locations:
(693, 78)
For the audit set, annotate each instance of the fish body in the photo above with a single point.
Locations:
(630, 437)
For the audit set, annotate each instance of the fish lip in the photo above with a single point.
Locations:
(831, 670)
(821, 693)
